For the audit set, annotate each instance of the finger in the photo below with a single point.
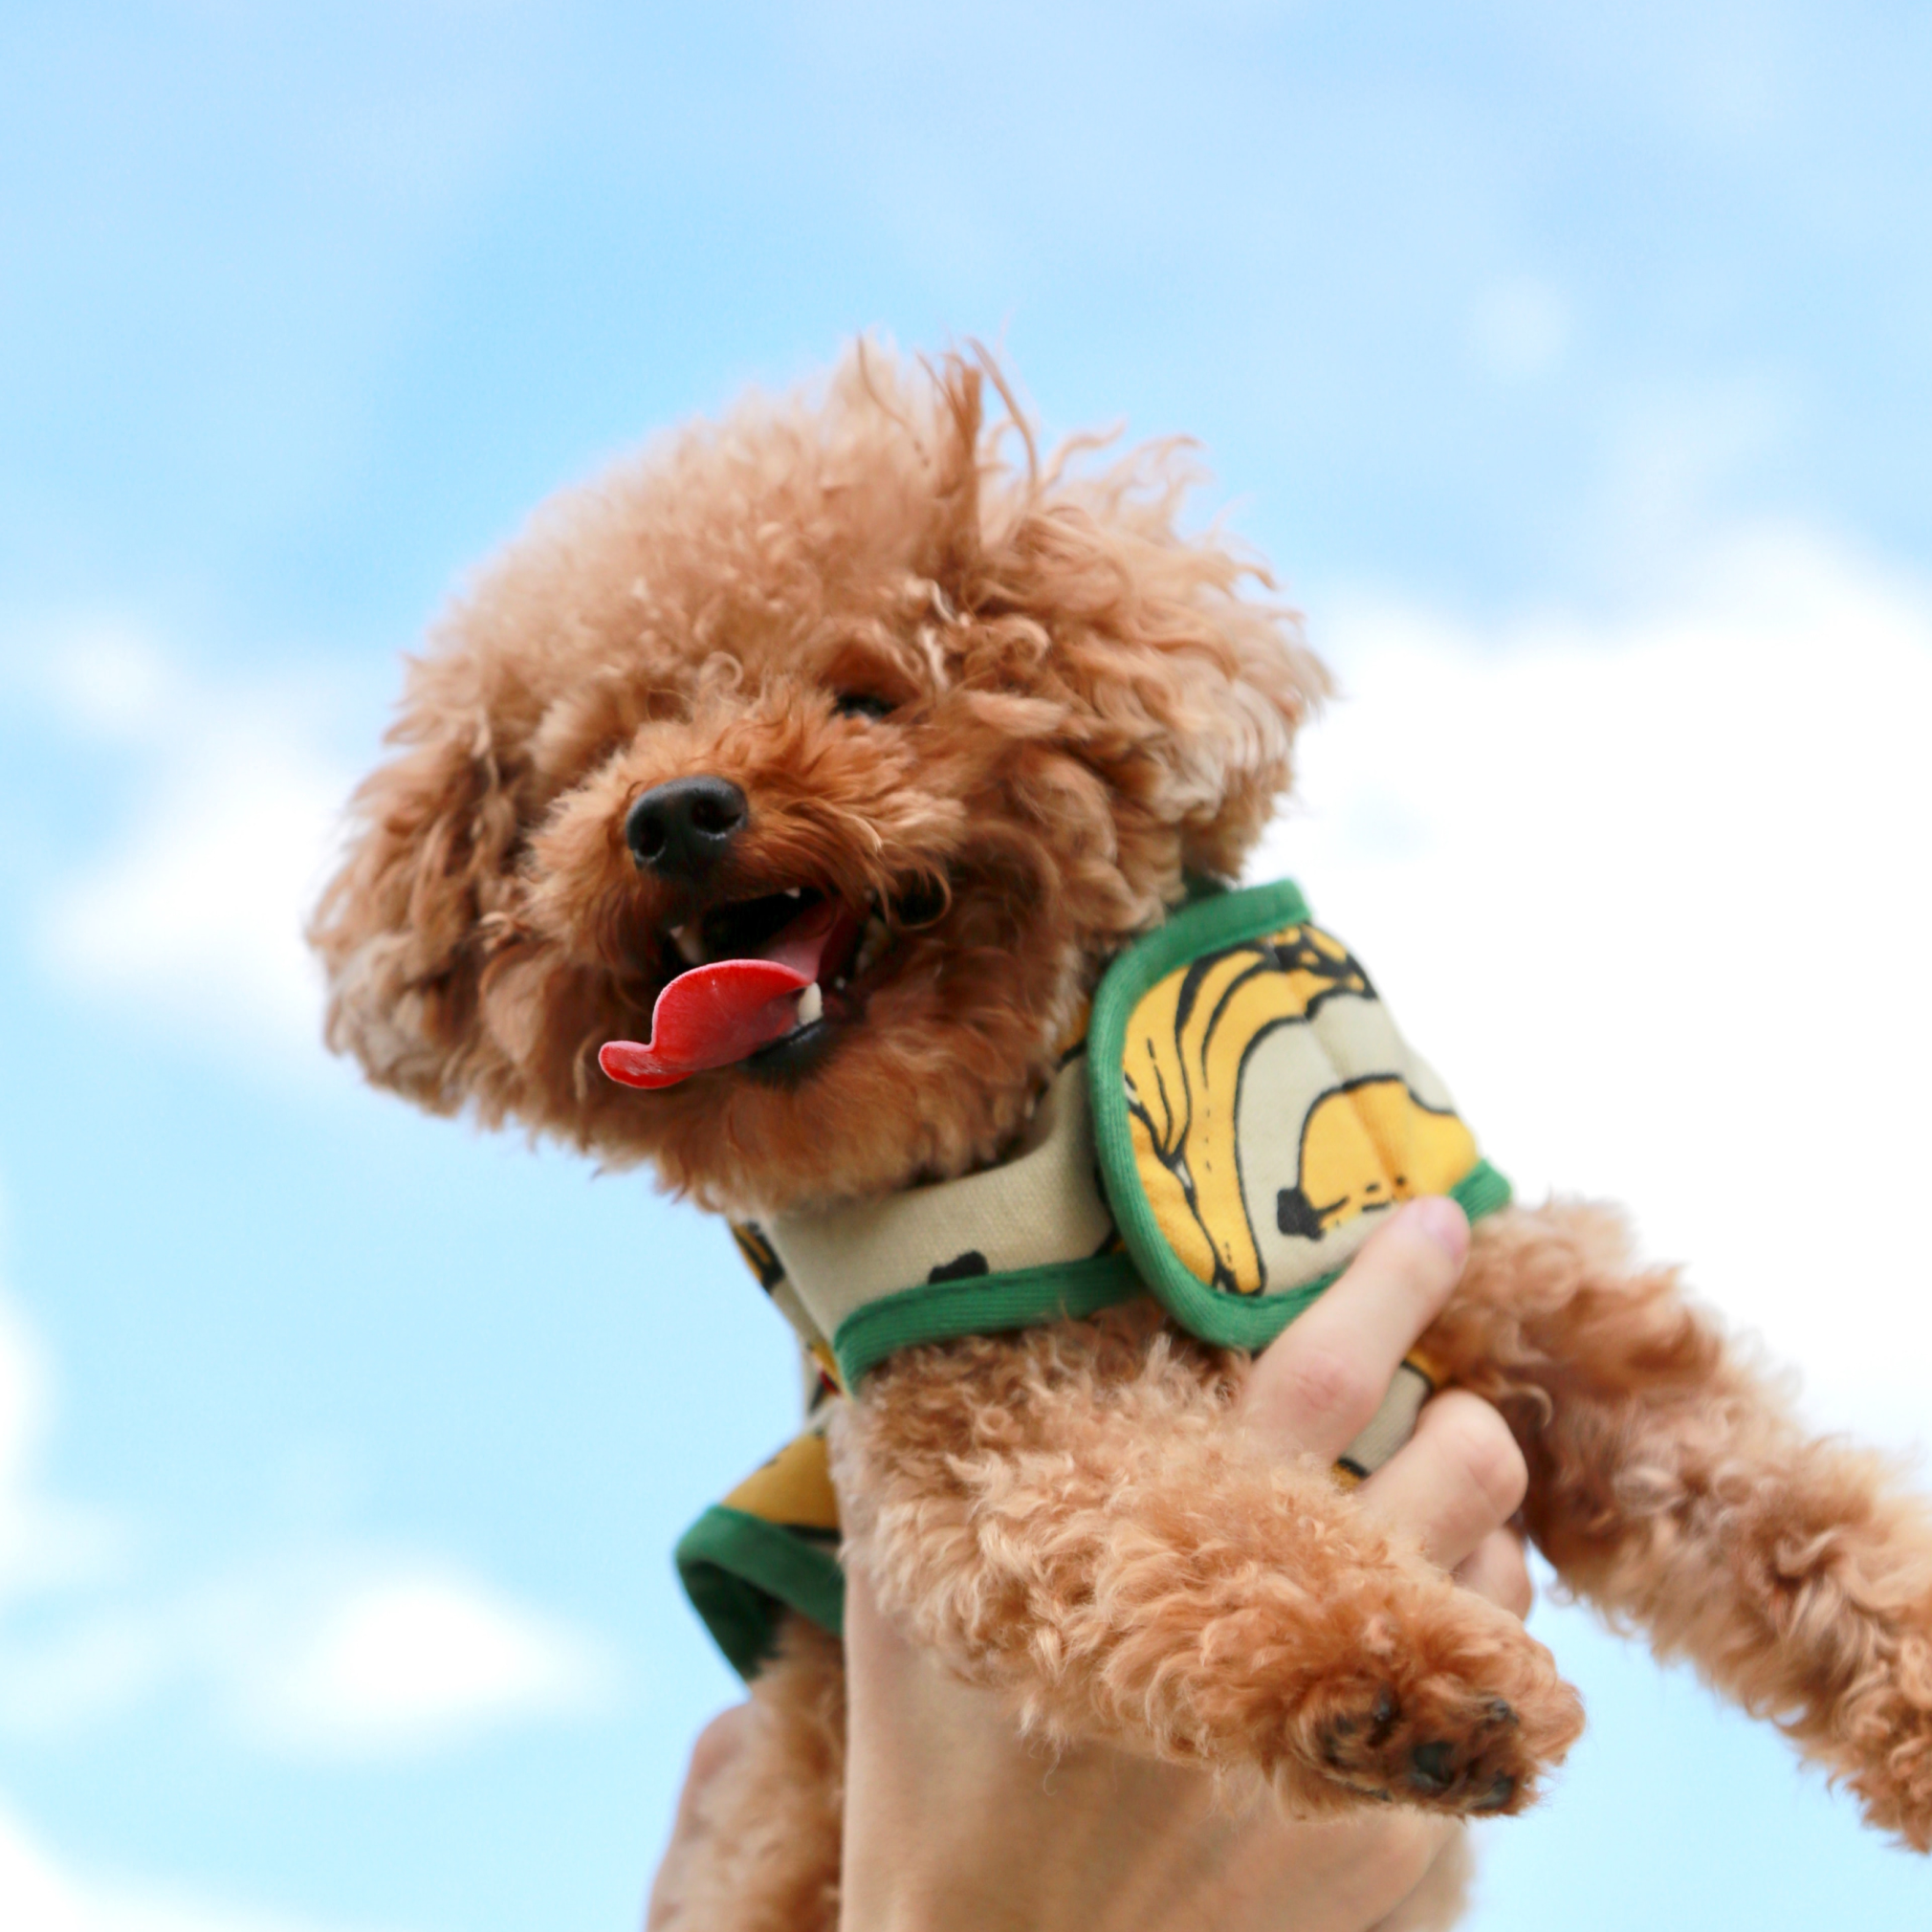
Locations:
(1316, 1389)
(1459, 1477)
(1498, 1569)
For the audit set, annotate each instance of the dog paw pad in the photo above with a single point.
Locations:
(1458, 1755)
(1432, 1766)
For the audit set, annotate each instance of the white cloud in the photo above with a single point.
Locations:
(40, 1893)
(332, 1654)
(102, 1661)
(319, 1650)
(191, 918)
(325, 1653)
(92, 1660)
(110, 679)
(1650, 893)
(414, 1660)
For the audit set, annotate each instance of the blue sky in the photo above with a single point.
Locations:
(1570, 365)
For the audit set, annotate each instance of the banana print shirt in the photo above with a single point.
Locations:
(1239, 1112)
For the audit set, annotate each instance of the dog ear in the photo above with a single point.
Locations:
(1186, 688)
(1226, 683)
(407, 924)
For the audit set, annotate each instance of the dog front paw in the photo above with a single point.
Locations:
(1470, 1743)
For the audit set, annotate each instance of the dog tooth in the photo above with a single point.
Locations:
(792, 891)
(689, 945)
(811, 1004)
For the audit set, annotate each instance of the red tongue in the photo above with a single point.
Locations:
(715, 1014)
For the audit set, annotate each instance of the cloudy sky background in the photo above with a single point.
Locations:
(1570, 364)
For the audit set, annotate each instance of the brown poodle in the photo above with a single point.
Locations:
(830, 698)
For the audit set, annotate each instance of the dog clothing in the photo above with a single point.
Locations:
(1240, 1110)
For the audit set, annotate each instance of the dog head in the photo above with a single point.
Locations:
(833, 689)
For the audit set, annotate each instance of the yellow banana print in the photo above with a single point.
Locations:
(1185, 1047)
(1366, 1145)
(795, 1487)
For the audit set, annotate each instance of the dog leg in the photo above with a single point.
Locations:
(1073, 1515)
(757, 1844)
(1670, 1485)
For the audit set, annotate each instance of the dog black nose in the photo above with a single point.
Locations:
(683, 828)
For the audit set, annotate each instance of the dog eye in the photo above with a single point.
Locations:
(863, 704)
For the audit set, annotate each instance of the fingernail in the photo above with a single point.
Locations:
(1439, 1217)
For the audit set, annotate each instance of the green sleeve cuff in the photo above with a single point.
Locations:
(742, 1574)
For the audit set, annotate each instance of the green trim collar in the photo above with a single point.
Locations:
(1243, 1108)
(986, 1305)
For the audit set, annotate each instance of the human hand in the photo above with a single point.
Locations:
(953, 1821)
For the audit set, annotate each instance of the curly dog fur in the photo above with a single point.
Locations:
(1011, 705)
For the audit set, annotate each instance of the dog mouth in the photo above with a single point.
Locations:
(766, 983)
